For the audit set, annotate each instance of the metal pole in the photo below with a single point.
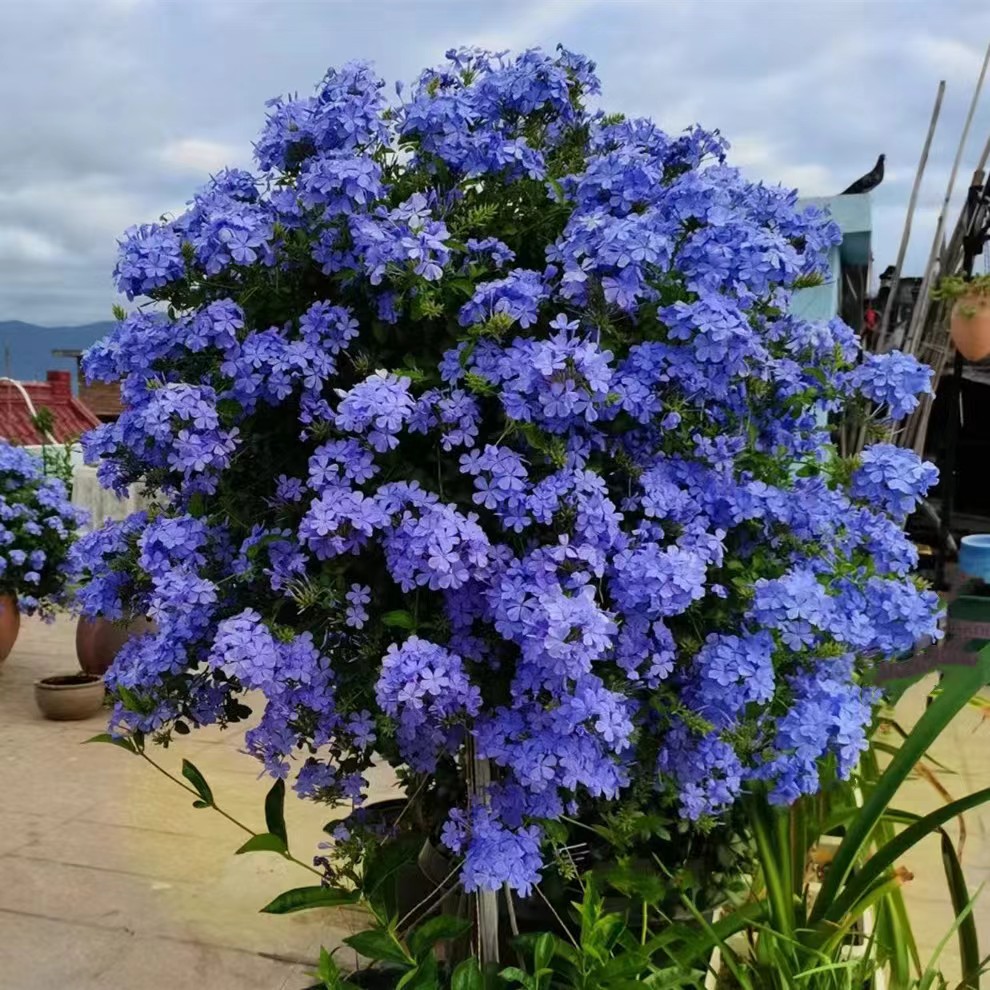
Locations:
(485, 901)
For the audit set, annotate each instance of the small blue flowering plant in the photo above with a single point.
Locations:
(37, 526)
(480, 430)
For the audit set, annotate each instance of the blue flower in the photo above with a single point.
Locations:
(511, 386)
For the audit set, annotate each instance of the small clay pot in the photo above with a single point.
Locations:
(10, 624)
(98, 641)
(68, 697)
(969, 326)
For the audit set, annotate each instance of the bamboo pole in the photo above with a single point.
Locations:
(921, 310)
(912, 203)
(951, 260)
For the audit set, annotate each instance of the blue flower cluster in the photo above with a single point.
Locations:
(37, 526)
(478, 425)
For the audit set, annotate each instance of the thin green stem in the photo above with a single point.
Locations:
(230, 818)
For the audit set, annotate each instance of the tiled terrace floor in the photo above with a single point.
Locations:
(110, 879)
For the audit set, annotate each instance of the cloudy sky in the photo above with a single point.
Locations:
(114, 111)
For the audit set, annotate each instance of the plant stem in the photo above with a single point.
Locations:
(230, 818)
(194, 793)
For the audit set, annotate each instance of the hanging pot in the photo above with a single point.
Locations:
(98, 641)
(969, 326)
(10, 624)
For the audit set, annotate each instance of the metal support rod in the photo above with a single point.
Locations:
(485, 901)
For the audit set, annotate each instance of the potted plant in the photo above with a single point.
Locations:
(37, 526)
(969, 320)
(482, 443)
(69, 697)
(99, 640)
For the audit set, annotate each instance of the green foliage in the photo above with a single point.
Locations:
(198, 781)
(329, 975)
(275, 812)
(604, 954)
(805, 938)
(953, 287)
(56, 458)
(265, 842)
(308, 898)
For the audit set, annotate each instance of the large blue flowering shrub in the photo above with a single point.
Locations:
(37, 526)
(479, 426)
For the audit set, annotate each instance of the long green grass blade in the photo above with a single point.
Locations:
(775, 862)
(890, 852)
(969, 942)
(928, 978)
(958, 686)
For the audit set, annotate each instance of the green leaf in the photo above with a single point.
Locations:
(543, 950)
(890, 852)
(275, 812)
(382, 869)
(958, 685)
(265, 842)
(196, 505)
(200, 804)
(510, 973)
(438, 929)
(124, 742)
(969, 942)
(198, 781)
(399, 619)
(306, 898)
(423, 977)
(379, 945)
(468, 976)
(129, 699)
(329, 974)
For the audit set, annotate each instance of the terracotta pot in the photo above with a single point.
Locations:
(970, 326)
(98, 641)
(10, 624)
(69, 696)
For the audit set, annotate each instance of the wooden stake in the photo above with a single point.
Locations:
(906, 234)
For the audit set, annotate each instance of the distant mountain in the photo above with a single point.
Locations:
(26, 349)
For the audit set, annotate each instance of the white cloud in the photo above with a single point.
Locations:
(124, 107)
(760, 158)
(19, 244)
(950, 57)
(200, 155)
(543, 20)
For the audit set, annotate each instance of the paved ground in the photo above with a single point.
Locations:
(110, 879)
